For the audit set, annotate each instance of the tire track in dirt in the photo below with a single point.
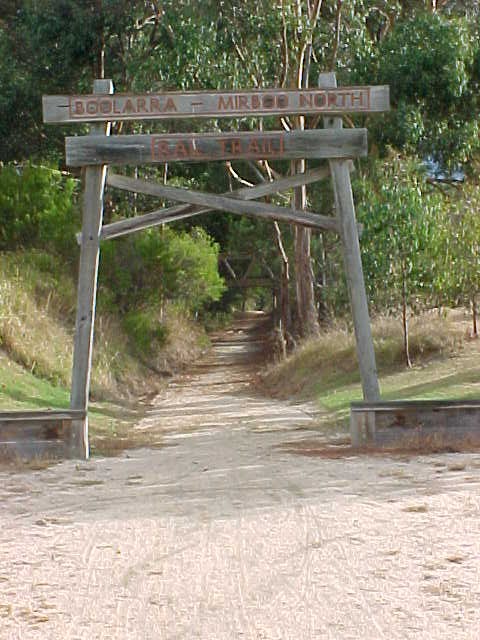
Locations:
(218, 393)
(219, 534)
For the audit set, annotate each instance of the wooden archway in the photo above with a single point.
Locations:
(98, 151)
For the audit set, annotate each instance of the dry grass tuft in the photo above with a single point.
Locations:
(185, 340)
(30, 330)
(332, 359)
(431, 335)
(37, 309)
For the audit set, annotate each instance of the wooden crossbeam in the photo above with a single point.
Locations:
(224, 203)
(257, 145)
(178, 212)
(215, 104)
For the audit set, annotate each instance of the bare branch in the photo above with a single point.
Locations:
(229, 268)
(301, 67)
(237, 177)
(286, 56)
(272, 174)
(336, 42)
(281, 248)
(243, 59)
(315, 13)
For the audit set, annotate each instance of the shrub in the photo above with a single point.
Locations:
(145, 331)
(37, 206)
(162, 265)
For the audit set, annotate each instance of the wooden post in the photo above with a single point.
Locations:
(353, 261)
(87, 287)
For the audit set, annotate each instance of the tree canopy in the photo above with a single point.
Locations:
(428, 52)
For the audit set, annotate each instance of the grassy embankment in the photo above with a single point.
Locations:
(37, 302)
(37, 310)
(446, 365)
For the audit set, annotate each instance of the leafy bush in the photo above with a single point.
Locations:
(145, 331)
(36, 209)
(430, 63)
(160, 265)
(401, 233)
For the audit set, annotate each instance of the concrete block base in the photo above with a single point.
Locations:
(28, 435)
(415, 424)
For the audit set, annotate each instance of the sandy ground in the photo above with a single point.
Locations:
(220, 534)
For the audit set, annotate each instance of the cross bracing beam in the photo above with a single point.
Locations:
(178, 212)
(225, 203)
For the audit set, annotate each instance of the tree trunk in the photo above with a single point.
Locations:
(474, 316)
(307, 321)
(406, 337)
(99, 64)
(285, 314)
(323, 311)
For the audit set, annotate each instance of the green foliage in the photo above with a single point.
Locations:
(458, 258)
(429, 62)
(145, 331)
(400, 234)
(36, 208)
(427, 58)
(160, 265)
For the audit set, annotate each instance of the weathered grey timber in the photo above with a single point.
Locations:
(96, 151)
(38, 434)
(217, 104)
(223, 203)
(87, 288)
(429, 424)
(178, 212)
(270, 145)
(353, 263)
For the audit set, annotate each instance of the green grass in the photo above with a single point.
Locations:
(20, 389)
(446, 366)
(110, 423)
(37, 309)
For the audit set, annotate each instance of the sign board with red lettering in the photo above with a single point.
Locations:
(220, 104)
(271, 145)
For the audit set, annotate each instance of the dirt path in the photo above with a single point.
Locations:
(219, 534)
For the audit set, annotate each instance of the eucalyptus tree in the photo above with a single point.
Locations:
(402, 238)
(287, 46)
(431, 62)
(458, 258)
(426, 51)
(58, 46)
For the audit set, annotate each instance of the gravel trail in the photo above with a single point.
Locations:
(219, 534)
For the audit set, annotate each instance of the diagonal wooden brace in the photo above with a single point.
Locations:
(178, 212)
(225, 203)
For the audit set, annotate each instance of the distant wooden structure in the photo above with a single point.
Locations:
(239, 268)
(99, 149)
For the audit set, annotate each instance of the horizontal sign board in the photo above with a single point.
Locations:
(153, 106)
(272, 145)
